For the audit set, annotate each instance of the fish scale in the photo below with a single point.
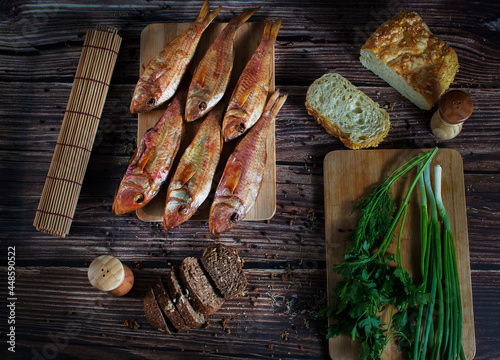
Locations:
(161, 78)
(251, 91)
(211, 76)
(240, 183)
(151, 163)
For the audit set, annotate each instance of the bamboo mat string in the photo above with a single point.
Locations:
(78, 130)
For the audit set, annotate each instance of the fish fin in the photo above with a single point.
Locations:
(145, 158)
(234, 177)
(157, 74)
(201, 76)
(187, 173)
(244, 97)
(205, 15)
(275, 28)
(244, 16)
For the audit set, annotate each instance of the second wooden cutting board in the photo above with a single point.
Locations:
(153, 39)
(349, 176)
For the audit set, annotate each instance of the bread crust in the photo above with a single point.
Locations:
(333, 129)
(406, 45)
(167, 306)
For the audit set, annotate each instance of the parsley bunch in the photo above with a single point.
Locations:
(369, 285)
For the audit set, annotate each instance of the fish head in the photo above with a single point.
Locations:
(225, 213)
(131, 194)
(146, 97)
(234, 127)
(197, 105)
(178, 208)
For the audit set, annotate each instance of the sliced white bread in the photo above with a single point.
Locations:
(405, 54)
(346, 112)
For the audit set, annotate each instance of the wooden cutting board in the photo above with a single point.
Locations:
(348, 176)
(153, 39)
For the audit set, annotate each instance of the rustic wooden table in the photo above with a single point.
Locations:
(59, 315)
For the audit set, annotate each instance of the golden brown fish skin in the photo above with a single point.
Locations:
(251, 91)
(242, 178)
(193, 177)
(161, 78)
(211, 76)
(151, 163)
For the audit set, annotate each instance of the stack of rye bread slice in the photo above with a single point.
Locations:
(195, 289)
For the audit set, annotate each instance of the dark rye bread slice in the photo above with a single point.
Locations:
(224, 266)
(154, 314)
(201, 293)
(168, 307)
(192, 317)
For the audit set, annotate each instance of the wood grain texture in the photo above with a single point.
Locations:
(361, 171)
(153, 39)
(39, 52)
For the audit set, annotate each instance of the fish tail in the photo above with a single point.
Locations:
(275, 28)
(244, 16)
(275, 103)
(205, 15)
(271, 29)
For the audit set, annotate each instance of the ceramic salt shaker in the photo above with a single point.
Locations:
(455, 106)
(107, 273)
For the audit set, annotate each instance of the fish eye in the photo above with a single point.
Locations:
(240, 127)
(151, 102)
(234, 217)
(139, 198)
(202, 106)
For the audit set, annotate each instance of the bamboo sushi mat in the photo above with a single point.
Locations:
(81, 118)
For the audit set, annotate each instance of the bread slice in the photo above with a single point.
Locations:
(154, 314)
(192, 317)
(405, 54)
(202, 295)
(225, 268)
(167, 306)
(346, 112)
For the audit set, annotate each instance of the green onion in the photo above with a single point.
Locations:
(453, 344)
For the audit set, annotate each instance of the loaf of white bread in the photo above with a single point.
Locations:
(346, 112)
(405, 54)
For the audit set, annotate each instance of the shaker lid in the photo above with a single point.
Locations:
(455, 106)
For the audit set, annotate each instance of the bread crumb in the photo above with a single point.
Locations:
(270, 346)
(70, 313)
(104, 335)
(301, 347)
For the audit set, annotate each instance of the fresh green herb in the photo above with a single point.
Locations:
(369, 285)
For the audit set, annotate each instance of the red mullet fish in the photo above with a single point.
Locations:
(242, 178)
(161, 78)
(193, 178)
(251, 92)
(211, 76)
(151, 163)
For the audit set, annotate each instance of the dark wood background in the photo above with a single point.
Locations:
(59, 315)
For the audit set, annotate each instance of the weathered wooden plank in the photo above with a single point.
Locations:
(84, 318)
(49, 38)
